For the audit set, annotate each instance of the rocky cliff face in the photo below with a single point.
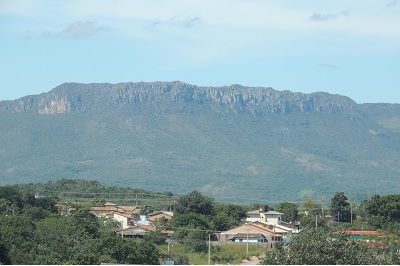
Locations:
(75, 97)
(222, 141)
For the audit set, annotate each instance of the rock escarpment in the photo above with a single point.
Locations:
(75, 97)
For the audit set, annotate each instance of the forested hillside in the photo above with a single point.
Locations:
(234, 143)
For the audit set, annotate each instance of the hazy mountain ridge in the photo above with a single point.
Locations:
(75, 97)
(232, 142)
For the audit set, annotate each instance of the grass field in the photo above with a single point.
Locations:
(219, 254)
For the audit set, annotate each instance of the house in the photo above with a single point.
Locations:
(64, 209)
(125, 215)
(372, 239)
(251, 233)
(108, 209)
(155, 217)
(134, 211)
(142, 220)
(104, 211)
(132, 224)
(264, 214)
(253, 216)
(137, 232)
(124, 219)
(358, 235)
(273, 219)
(251, 238)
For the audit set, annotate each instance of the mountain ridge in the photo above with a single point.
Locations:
(76, 97)
(234, 143)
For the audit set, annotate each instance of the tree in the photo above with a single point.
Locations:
(308, 221)
(222, 222)
(4, 259)
(340, 208)
(196, 240)
(382, 210)
(289, 211)
(315, 247)
(227, 216)
(98, 201)
(194, 202)
(191, 219)
(311, 207)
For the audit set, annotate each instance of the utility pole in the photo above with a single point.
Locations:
(209, 248)
(247, 242)
(122, 229)
(273, 226)
(247, 245)
(351, 213)
(168, 245)
(316, 221)
(323, 215)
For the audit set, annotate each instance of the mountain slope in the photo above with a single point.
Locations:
(232, 143)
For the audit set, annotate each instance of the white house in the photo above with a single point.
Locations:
(263, 214)
(124, 219)
(251, 238)
(273, 220)
(272, 217)
(253, 233)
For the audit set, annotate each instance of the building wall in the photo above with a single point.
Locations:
(251, 240)
(122, 219)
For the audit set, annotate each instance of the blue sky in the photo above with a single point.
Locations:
(342, 47)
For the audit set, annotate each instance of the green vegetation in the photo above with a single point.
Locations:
(90, 192)
(33, 232)
(382, 211)
(220, 254)
(289, 211)
(196, 218)
(340, 208)
(158, 137)
(314, 247)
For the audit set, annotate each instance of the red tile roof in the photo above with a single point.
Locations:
(263, 228)
(243, 235)
(158, 216)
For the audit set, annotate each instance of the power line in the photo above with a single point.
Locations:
(134, 195)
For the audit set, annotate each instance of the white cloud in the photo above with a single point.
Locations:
(82, 29)
(176, 21)
(225, 27)
(77, 29)
(392, 3)
(325, 65)
(328, 16)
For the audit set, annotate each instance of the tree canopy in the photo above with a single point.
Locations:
(32, 232)
(381, 211)
(194, 202)
(289, 210)
(340, 208)
(316, 247)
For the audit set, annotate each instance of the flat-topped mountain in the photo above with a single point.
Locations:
(236, 143)
(75, 97)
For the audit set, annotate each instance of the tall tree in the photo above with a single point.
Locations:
(340, 208)
(311, 207)
(382, 210)
(194, 202)
(4, 259)
(289, 211)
